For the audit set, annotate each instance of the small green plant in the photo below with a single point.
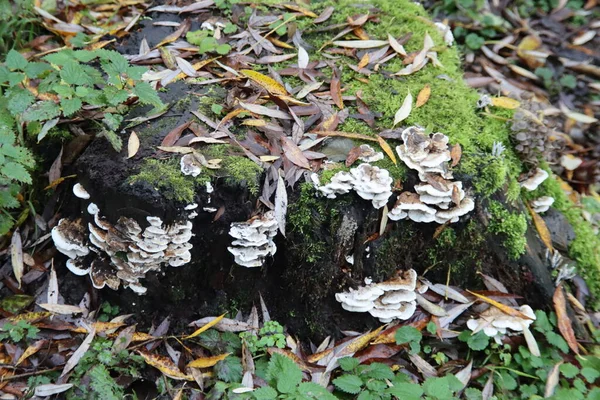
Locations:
(270, 335)
(18, 24)
(20, 330)
(107, 312)
(207, 43)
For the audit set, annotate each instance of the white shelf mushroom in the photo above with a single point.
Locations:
(368, 154)
(80, 192)
(425, 153)
(372, 183)
(542, 204)
(535, 180)
(496, 324)
(254, 240)
(189, 165)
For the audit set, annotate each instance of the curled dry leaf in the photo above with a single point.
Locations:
(205, 327)
(266, 82)
(164, 365)
(404, 110)
(206, 362)
(564, 323)
(455, 154)
(133, 144)
(423, 96)
(387, 149)
(16, 255)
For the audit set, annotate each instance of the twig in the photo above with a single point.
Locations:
(27, 374)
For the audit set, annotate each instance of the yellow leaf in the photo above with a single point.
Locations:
(364, 61)
(279, 43)
(100, 327)
(266, 82)
(31, 317)
(541, 227)
(562, 318)
(206, 362)
(164, 365)
(58, 181)
(505, 102)
(205, 327)
(34, 348)
(301, 10)
(359, 342)
(423, 96)
(502, 307)
(388, 150)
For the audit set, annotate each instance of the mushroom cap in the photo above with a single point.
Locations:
(542, 204)
(398, 296)
(466, 206)
(364, 308)
(404, 280)
(154, 221)
(102, 274)
(93, 209)
(368, 154)
(403, 312)
(77, 267)
(137, 288)
(408, 201)
(189, 165)
(192, 206)
(534, 181)
(69, 238)
(80, 192)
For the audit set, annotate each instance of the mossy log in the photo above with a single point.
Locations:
(311, 263)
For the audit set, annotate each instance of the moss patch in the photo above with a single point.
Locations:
(512, 225)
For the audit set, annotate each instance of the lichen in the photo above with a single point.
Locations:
(512, 225)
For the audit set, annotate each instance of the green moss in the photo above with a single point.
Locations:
(166, 177)
(238, 170)
(512, 226)
(302, 216)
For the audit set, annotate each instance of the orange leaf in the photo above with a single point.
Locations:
(502, 307)
(31, 350)
(266, 82)
(335, 89)
(389, 335)
(164, 365)
(205, 327)
(541, 228)
(564, 323)
(364, 61)
(388, 150)
(359, 342)
(455, 154)
(423, 96)
(206, 362)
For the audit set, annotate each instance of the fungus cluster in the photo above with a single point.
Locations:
(437, 198)
(120, 252)
(537, 176)
(496, 324)
(388, 300)
(542, 204)
(369, 182)
(253, 240)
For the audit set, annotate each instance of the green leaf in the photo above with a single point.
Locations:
(378, 371)
(438, 388)
(348, 383)
(60, 58)
(147, 95)
(18, 100)
(309, 390)
(506, 381)
(477, 342)
(473, 394)
(544, 73)
(216, 108)
(41, 111)
(366, 395)
(590, 374)
(115, 95)
(73, 74)
(207, 44)
(229, 369)
(568, 370)
(556, 340)
(15, 60)
(8, 197)
(196, 37)
(63, 90)
(568, 81)
(408, 334)
(528, 391)
(223, 49)
(15, 171)
(348, 363)
(119, 63)
(35, 69)
(431, 327)
(406, 391)
(135, 72)
(474, 41)
(112, 121)
(70, 106)
(6, 223)
(230, 28)
(114, 140)
(85, 56)
(265, 393)
(283, 373)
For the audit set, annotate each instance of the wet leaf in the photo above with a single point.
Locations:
(335, 88)
(387, 149)
(360, 44)
(16, 255)
(205, 327)
(173, 136)
(542, 229)
(206, 362)
(133, 144)
(31, 350)
(563, 321)
(81, 350)
(50, 389)
(293, 153)
(281, 203)
(404, 111)
(325, 15)
(164, 365)
(502, 307)
(423, 96)
(455, 154)
(266, 82)
(505, 102)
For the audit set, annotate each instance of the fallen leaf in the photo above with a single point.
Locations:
(488, 388)
(16, 255)
(133, 144)
(31, 350)
(185, 25)
(346, 134)
(398, 48)
(552, 380)
(56, 168)
(301, 363)
(61, 308)
(123, 339)
(564, 323)
(164, 365)
(384, 220)
(542, 229)
(505, 102)
(293, 153)
(532, 344)
(303, 58)
(423, 96)
(281, 203)
(502, 307)
(335, 88)
(360, 44)
(262, 110)
(266, 82)
(206, 362)
(325, 15)
(205, 327)
(579, 117)
(52, 297)
(404, 111)
(173, 136)
(364, 61)
(464, 375)
(50, 389)
(387, 149)
(81, 350)
(455, 154)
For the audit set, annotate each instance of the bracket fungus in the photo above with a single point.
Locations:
(121, 252)
(253, 240)
(368, 154)
(535, 180)
(542, 204)
(388, 300)
(496, 324)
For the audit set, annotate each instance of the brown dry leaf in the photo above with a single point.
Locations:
(542, 229)
(16, 255)
(206, 362)
(455, 195)
(502, 307)
(423, 96)
(133, 144)
(301, 10)
(388, 150)
(352, 156)
(123, 339)
(173, 136)
(364, 61)
(81, 350)
(455, 154)
(346, 134)
(164, 365)
(185, 25)
(335, 88)
(31, 350)
(266, 82)
(205, 327)
(505, 102)
(564, 323)
(358, 343)
(293, 153)
(325, 15)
